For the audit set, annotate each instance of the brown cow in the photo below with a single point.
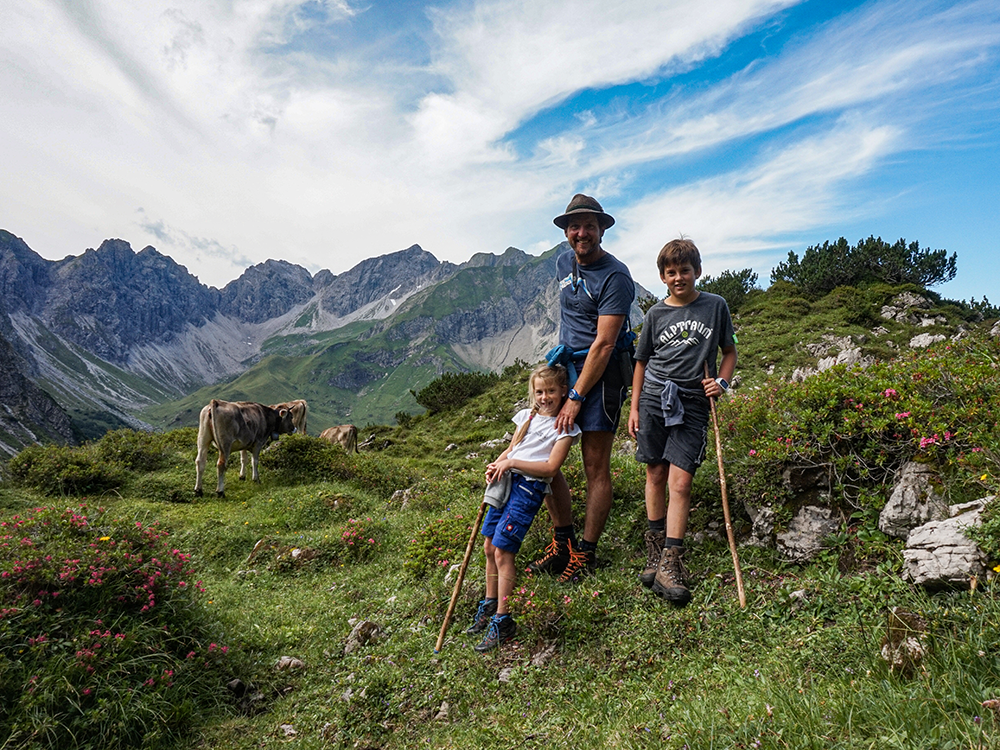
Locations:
(345, 434)
(300, 413)
(237, 425)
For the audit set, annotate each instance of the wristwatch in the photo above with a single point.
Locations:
(574, 396)
(722, 383)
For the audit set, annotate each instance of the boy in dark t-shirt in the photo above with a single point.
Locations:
(670, 406)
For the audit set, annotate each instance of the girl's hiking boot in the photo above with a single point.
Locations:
(670, 575)
(501, 629)
(654, 550)
(487, 608)
(553, 561)
(580, 564)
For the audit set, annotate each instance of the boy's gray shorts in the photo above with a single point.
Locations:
(681, 445)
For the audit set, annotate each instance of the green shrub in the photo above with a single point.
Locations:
(861, 425)
(438, 545)
(453, 389)
(300, 458)
(61, 470)
(102, 641)
(734, 287)
(824, 267)
(303, 459)
(356, 541)
(138, 451)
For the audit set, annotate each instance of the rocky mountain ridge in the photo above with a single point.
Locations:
(116, 331)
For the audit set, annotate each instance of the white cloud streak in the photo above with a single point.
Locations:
(241, 143)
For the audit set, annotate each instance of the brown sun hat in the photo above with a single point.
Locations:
(584, 204)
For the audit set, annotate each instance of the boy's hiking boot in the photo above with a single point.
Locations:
(580, 564)
(670, 575)
(654, 550)
(500, 630)
(487, 608)
(553, 561)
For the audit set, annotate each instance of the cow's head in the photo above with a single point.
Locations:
(286, 426)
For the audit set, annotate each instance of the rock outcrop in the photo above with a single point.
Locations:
(939, 554)
(265, 291)
(916, 499)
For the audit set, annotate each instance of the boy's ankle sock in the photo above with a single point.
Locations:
(660, 525)
(565, 533)
(490, 600)
(585, 546)
(673, 542)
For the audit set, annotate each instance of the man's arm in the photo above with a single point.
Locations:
(608, 328)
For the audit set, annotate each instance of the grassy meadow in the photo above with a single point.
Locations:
(134, 615)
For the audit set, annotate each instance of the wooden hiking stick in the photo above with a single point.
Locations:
(725, 502)
(461, 577)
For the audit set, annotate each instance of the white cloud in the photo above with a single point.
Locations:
(745, 218)
(507, 59)
(243, 142)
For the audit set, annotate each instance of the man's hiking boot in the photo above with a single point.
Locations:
(654, 549)
(487, 608)
(553, 561)
(500, 630)
(670, 575)
(580, 564)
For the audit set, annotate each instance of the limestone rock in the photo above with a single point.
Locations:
(544, 656)
(361, 635)
(808, 528)
(901, 309)
(762, 519)
(915, 500)
(940, 555)
(402, 497)
(923, 340)
(905, 644)
(801, 373)
(289, 662)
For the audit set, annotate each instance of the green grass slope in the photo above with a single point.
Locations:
(602, 663)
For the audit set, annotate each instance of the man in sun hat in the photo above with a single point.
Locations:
(596, 292)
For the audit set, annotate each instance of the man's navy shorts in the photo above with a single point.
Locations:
(602, 409)
(507, 526)
(681, 445)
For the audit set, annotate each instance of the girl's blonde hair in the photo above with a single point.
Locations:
(545, 373)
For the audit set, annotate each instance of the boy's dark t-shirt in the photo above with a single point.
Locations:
(676, 341)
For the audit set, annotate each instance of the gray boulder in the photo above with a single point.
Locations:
(803, 539)
(363, 632)
(923, 340)
(915, 500)
(940, 555)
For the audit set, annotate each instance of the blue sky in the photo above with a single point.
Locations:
(227, 132)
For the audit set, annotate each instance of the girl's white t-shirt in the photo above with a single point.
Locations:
(541, 438)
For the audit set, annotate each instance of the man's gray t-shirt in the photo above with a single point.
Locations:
(601, 288)
(676, 341)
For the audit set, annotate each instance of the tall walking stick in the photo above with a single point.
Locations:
(725, 502)
(461, 577)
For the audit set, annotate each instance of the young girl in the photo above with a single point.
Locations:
(534, 456)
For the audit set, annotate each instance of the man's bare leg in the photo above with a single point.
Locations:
(596, 449)
(558, 502)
